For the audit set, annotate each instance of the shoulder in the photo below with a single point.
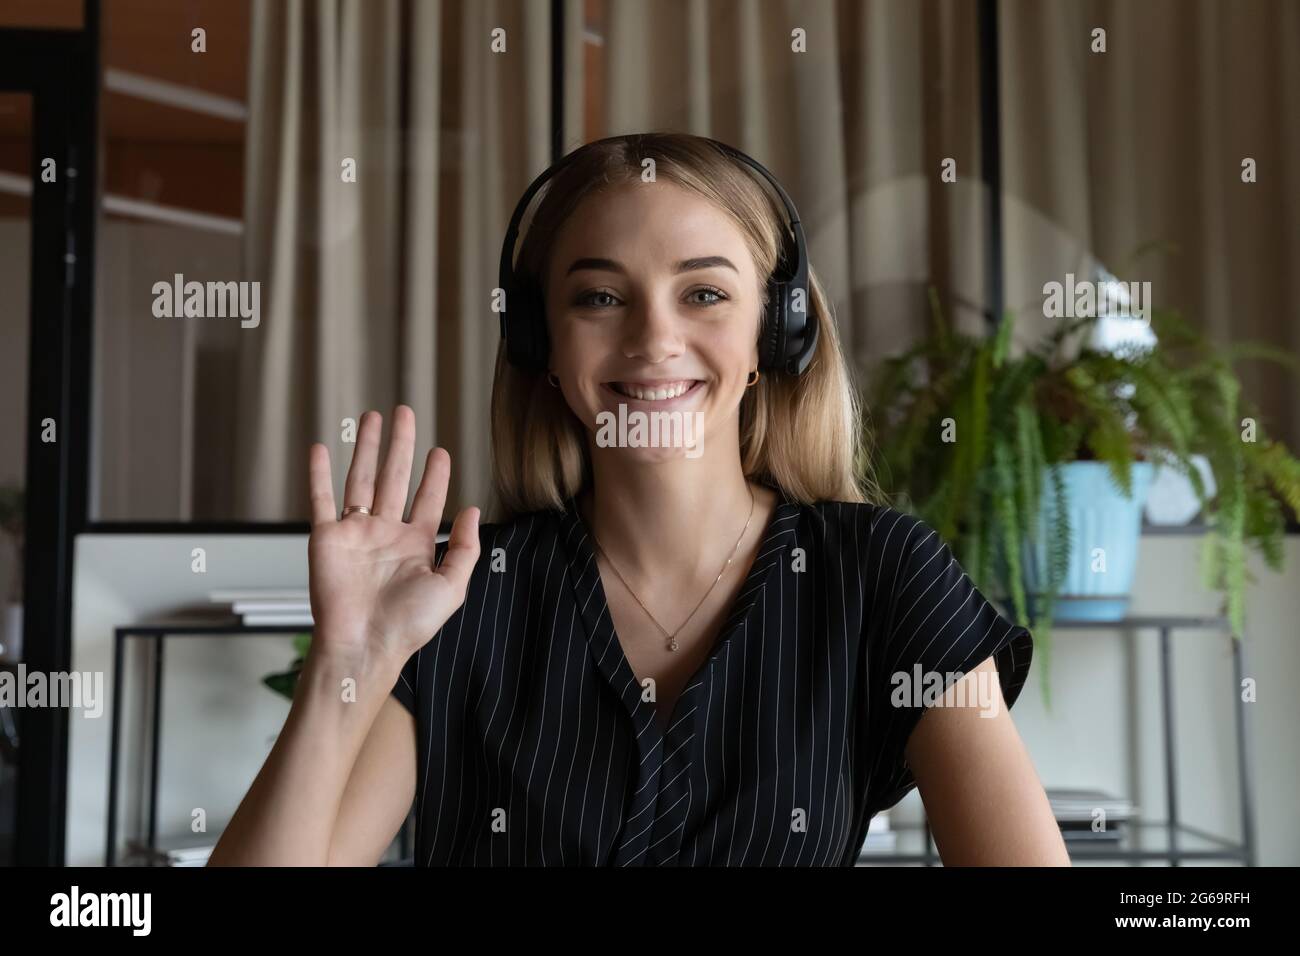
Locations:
(892, 553)
(878, 531)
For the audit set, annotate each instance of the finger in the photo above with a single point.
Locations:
(431, 496)
(462, 550)
(360, 486)
(395, 477)
(322, 485)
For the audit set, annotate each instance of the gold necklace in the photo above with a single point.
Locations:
(672, 638)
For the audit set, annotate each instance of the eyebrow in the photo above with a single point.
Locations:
(686, 265)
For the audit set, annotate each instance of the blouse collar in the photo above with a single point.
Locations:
(584, 578)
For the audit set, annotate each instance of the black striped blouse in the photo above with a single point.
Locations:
(534, 746)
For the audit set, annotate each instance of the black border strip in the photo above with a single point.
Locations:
(557, 80)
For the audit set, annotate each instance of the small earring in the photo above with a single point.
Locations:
(555, 382)
(755, 376)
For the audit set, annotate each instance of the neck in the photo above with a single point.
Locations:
(682, 513)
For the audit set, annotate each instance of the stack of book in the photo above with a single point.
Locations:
(169, 853)
(261, 608)
(1090, 814)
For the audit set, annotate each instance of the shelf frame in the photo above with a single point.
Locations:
(1243, 850)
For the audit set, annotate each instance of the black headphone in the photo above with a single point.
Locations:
(789, 320)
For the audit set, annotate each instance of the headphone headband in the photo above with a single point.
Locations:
(790, 323)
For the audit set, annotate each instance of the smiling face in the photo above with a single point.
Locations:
(653, 301)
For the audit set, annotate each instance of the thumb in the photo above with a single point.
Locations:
(462, 548)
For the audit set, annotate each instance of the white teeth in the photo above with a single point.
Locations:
(660, 394)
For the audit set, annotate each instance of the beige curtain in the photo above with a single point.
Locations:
(377, 291)
(855, 126)
(1101, 153)
(1105, 152)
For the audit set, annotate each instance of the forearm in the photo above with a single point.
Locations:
(288, 816)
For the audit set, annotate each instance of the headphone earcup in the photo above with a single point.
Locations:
(539, 342)
(771, 352)
(787, 330)
(527, 340)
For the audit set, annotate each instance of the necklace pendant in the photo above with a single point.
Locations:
(672, 644)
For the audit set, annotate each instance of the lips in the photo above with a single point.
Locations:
(660, 391)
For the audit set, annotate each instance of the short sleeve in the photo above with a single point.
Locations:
(931, 626)
(407, 682)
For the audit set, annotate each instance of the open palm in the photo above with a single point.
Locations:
(375, 588)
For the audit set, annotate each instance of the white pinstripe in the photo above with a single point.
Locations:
(726, 743)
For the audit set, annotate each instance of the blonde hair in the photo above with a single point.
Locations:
(801, 435)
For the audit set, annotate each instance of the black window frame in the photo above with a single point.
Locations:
(60, 70)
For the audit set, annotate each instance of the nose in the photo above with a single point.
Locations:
(651, 331)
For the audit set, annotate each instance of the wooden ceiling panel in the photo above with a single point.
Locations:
(130, 119)
(153, 151)
(152, 38)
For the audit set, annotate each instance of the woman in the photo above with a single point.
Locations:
(709, 649)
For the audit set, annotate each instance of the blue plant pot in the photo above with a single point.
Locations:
(1105, 532)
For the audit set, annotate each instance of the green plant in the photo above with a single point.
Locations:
(284, 682)
(972, 432)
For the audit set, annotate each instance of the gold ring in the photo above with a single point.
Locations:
(358, 509)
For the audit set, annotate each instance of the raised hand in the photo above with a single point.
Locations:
(375, 591)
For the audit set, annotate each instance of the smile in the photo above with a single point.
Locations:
(655, 391)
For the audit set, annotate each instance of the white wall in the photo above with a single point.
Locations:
(219, 722)
(1102, 680)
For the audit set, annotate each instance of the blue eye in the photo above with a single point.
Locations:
(586, 298)
(603, 298)
(719, 295)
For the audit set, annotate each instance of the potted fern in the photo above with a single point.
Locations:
(998, 452)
